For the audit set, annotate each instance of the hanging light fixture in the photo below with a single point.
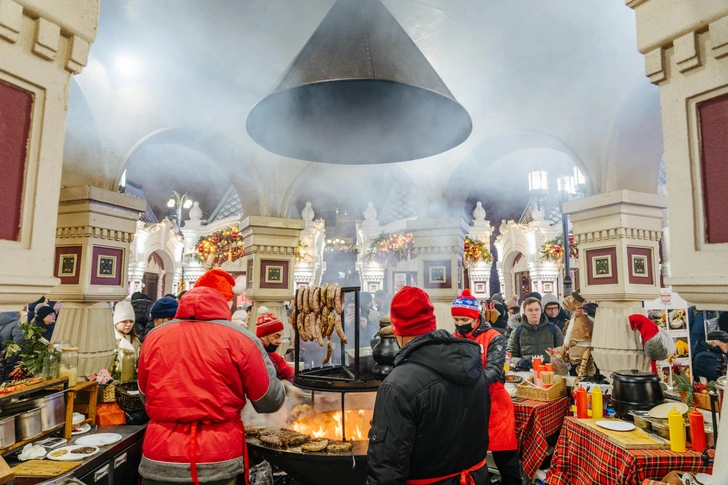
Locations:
(359, 92)
(538, 183)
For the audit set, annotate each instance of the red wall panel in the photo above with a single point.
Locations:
(15, 114)
(713, 115)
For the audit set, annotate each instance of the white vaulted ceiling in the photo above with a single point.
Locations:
(553, 74)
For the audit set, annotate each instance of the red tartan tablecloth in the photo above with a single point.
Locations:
(535, 420)
(585, 457)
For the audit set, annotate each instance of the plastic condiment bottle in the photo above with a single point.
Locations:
(581, 399)
(697, 431)
(677, 430)
(597, 403)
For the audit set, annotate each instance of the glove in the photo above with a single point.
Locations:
(524, 364)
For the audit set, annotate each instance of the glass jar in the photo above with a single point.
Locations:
(69, 365)
(128, 362)
(51, 364)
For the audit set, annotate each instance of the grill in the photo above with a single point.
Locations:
(347, 380)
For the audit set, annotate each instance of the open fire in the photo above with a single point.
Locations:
(329, 425)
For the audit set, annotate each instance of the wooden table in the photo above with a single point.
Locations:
(535, 421)
(585, 457)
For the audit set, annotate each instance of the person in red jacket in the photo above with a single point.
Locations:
(270, 331)
(502, 423)
(195, 374)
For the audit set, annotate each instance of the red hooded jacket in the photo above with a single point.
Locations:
(195, 373)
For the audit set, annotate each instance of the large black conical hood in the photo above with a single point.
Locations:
(360, 91)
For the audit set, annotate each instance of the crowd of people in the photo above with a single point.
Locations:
(198, 365)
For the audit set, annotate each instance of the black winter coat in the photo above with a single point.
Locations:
(709, 362)
(142, 315)
(431, 413)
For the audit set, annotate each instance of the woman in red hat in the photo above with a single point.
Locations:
(502, 424)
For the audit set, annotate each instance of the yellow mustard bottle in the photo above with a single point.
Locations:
(677, 430)
(597, 403)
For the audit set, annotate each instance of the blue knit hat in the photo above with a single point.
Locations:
(465, 305)
(164, 307)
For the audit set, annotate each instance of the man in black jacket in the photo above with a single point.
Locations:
(430, 421)
(142, 304)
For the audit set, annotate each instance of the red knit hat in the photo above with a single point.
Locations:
(267, 324)
(465, 305)
(412, 313)
(221, 281)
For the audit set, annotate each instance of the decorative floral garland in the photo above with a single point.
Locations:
(475, 251)
(553, 250)
(390, 249)
(219, 247)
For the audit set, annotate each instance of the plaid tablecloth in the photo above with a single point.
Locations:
(585, 457)
(535, 420)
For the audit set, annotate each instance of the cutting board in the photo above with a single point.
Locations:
(44, 468)
(637, 439)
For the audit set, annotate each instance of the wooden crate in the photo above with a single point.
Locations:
(527, 391)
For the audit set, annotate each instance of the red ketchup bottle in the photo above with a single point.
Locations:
(582, 400)
(697, 431)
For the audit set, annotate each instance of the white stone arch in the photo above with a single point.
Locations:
(170, 266)
(490, 150)
(221, 151)
(508, 246)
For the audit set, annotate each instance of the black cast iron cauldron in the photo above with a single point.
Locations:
(634, 390)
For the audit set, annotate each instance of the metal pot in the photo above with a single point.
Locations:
(7, 431)
(634, 390)
(52, 408)
(27, 424)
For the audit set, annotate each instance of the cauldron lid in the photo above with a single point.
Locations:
(635, 375)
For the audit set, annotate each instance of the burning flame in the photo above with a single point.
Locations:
(330, 425)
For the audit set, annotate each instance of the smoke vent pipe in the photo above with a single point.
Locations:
(359, 92)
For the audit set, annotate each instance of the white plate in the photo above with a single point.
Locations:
(660, 411)
(616, 425)
(70, 456)
(83, 429)
(99, 439)
(78, 418)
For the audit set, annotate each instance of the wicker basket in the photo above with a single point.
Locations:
(127, 396)
(701, 400)
(527, 391)
(108, 393)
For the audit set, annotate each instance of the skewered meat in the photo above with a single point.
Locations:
(314, 446)
(339, 301)
(339, 447)
(306, 296)
(316, 300)
(312, 327)
(331, 324)
(301, 325)
(325, 313)
(340, 330)
(324, 294)
(329, 351)
(319, 330)
(331, 294)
